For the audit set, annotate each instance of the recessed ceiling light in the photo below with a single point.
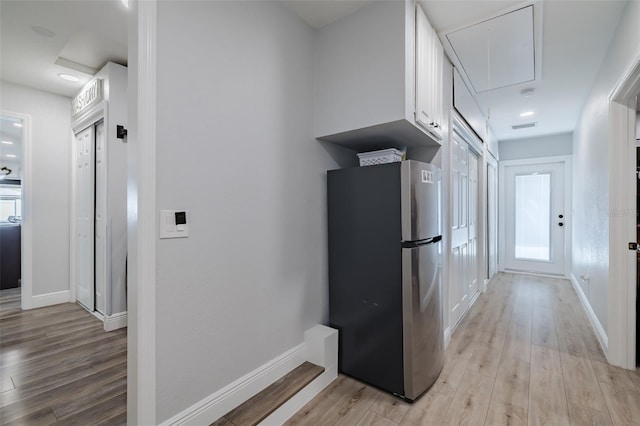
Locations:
(527, 114)
(126, 3)
(44, 32)
(17, 124)
(7, 142)
(68, 77)
(11, 156)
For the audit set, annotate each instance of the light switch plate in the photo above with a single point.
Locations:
(168, 228)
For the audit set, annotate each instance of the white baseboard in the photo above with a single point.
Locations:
(485, 285)
(56, 298)
(115, 321)
(447, 337)
(320, 347)
(595, 322)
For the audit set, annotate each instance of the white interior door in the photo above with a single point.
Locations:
(492, 219)
(85, 202)
(464, 228)
(100, 219)
(535, 217)
(472, 282)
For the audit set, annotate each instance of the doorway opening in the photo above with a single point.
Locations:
(11, 166)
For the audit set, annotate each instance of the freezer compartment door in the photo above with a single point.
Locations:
(423, 334)
(420, 198)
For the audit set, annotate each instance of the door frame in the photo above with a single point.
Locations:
(142, 215)
(502, 232)
(621, 332)
(491, 226)
(78, 125)
(26, 238)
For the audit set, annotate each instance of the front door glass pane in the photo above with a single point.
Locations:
(533, 216)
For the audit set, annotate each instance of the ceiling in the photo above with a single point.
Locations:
(81, 36)
(574, 36)
(40, 39)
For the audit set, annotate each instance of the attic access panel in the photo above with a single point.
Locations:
(498, 52)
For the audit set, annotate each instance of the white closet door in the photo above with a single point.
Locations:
(100, 219)
(84, 216)
(492, 219)
(458, 298)
(472, 282)
(464, 229)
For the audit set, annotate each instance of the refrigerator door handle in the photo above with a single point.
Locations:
(413, 244)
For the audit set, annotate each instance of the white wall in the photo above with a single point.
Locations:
(543, 146)
(591, 168)
(235, 149)
(51, 168)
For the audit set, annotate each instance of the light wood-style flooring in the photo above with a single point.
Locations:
(525, 354)
(59, 367)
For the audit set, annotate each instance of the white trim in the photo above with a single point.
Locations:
(26, 230)
(49, 299)
(568, 217)
(320, 347)
(622, 218)
(593, 318)
(143, 370)
(226, 399)
(115, 321)
(447, 337)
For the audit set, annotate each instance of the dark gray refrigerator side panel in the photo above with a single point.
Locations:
(423, 320)
(365, 273)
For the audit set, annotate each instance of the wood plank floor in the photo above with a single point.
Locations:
(525, 354)
(58, 366)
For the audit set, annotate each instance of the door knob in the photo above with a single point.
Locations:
(560, 216)
(560, 224)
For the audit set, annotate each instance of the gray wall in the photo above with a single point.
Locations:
(591, 168)
(544, 146)
(50, 170)
(235, 149)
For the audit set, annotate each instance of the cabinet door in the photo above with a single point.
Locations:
(428, 76)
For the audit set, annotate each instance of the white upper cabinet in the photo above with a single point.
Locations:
(365, 69)
(429, 64)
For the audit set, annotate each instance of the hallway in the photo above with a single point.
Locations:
(524, 354)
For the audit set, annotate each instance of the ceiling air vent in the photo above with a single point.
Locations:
(523, 126)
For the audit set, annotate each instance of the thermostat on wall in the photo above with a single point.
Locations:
(173, 224)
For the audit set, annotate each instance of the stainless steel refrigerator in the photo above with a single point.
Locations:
(384, 274)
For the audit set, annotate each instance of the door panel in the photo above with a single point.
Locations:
(420, 186)
(422, 318)
(492, 220)
(464, 229)
(100, 219)
(473, 225)
(535, 218)
(85, 217)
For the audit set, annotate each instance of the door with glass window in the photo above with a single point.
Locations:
(535, 218)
